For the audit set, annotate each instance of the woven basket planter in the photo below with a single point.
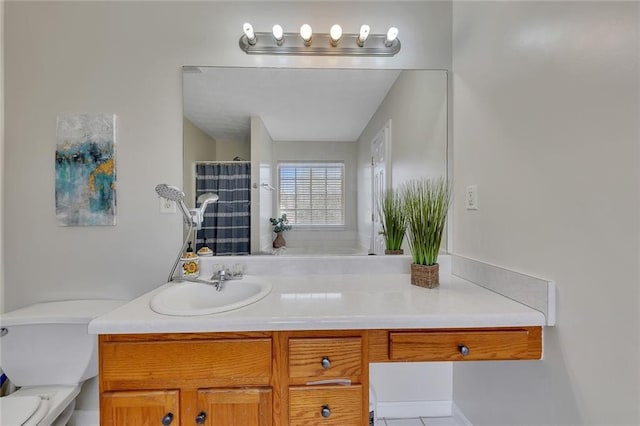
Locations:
(394, 251)
(427, 276)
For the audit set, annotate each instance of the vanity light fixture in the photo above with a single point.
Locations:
(364, 33)
(306, 33)
(249, 34)
(335, 33)
(392, 35)
(278, 34)
(334, 43)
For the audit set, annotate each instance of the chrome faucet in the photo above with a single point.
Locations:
(191, 280)
(222, 276)
(217, 279)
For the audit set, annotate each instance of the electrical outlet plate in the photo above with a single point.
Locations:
(167, 206)
(471, 197)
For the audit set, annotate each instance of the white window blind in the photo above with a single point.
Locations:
(312, 193)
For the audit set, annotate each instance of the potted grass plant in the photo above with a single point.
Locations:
(393, 217)
(427, 203)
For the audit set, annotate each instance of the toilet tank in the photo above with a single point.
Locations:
(48, 344)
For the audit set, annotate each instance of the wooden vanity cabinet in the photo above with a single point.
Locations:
(324, 377)
(280, 378)
(456, 344)
(186, 379)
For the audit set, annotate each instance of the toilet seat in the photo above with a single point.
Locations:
(36, 405)
(22, 410)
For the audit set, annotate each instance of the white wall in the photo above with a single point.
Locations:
(126, 58)
(198, 146)
(261, 172)
(227, 151)
(322, 151)
(2, 298)
(416, 104)
(546, 107)
(425, 386)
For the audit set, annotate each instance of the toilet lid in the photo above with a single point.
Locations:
(15, 411)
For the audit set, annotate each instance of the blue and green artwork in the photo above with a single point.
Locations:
(85, 170)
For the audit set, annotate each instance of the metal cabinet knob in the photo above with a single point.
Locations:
(325, 412)
(200, 418)
(463, 349)
(326, 362)
(167, 419)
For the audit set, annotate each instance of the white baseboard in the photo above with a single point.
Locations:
(85, 418)
(459, 418)
(412, 409)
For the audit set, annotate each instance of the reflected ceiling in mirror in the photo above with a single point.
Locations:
(294, 104)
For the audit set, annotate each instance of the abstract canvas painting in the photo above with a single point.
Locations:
(85, 170)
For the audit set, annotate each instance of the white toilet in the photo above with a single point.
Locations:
(46, 351)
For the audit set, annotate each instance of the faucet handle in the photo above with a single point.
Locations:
(238, 270)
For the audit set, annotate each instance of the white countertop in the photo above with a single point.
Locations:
(334, 302)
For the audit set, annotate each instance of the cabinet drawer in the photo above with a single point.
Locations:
(466, 345)
(326, 405)
(325, 357)
(176, 364)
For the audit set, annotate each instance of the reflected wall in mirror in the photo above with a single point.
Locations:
(317, 144)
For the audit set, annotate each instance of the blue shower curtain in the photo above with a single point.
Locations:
(226, 224)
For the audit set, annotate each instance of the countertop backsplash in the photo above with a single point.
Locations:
(316, 265)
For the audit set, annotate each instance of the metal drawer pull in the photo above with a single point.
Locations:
(463, 349)
(200, 418)
(167, 419)
(325, 412)
(326, 362)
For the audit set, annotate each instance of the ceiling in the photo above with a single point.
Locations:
(295, 104)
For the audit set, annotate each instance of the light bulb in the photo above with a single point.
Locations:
(306, 33)
(364, 33)
(278, 34)
(392, 34)
(335, 33)
(248, 31)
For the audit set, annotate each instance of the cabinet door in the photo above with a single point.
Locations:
(148, 408)
(234, 407)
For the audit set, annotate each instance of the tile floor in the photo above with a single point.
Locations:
(422, 421)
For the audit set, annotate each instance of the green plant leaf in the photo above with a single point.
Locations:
(393, 216)
(426, 202)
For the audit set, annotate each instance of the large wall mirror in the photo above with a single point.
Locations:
(317, 144)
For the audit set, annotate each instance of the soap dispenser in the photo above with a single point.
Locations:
(190, 264)
(205, 250)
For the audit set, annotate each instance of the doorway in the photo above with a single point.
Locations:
(380, 181)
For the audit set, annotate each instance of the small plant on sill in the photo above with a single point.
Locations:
(280, 224)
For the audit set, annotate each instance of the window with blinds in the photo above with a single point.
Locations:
(312, 193)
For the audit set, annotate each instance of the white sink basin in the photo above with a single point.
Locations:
(191, 299)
